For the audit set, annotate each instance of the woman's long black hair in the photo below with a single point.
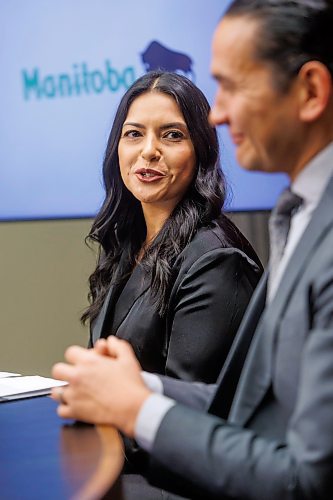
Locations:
(120, 228)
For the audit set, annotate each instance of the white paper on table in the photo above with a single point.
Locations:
(9, 374)
(26, 387)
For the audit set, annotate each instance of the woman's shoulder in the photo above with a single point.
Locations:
(220, 237)
(208, 238)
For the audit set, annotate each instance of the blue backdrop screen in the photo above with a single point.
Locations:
(64, 67)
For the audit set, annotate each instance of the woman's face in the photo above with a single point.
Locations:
(156, 155)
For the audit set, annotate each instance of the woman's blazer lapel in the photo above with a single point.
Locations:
(137, 285)
(256, 377)
(99, 323)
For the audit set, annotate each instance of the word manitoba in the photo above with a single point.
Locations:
(81, 80)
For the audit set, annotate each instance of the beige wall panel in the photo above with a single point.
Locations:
(44, 269)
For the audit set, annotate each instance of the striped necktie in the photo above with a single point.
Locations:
(279, 225)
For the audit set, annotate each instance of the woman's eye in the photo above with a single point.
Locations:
(132, 134)
(174, 135)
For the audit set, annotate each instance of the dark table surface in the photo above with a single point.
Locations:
(44, 457)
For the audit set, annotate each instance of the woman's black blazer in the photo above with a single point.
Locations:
(211, 286)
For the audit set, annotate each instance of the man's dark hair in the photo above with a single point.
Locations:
(290, 34)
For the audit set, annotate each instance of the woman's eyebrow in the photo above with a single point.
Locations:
(133, 124)
(162, 127)
(173, 125)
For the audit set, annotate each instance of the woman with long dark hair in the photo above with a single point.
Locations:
(174, 275)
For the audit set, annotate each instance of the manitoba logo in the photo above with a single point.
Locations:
(80, 79)
(156, 56)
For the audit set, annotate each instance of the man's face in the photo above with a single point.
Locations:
(263, 121)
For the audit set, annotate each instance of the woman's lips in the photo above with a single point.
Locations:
(148, 174)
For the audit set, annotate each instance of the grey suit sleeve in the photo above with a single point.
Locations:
(193, 394)
(203, 456)
(208, 307)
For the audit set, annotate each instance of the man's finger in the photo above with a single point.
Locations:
(62, 371)
(101, 347)
(64, 411)
(76, 354)
(57, 393)
(118, 347)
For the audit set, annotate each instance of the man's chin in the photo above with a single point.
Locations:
(250, 164)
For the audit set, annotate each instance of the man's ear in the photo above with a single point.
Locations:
(316, 90)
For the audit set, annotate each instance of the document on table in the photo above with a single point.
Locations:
(9, 374)
(14, 386)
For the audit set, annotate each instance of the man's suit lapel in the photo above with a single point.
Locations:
(256, 377)
(229, 376)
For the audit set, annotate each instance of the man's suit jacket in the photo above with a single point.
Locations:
(212, 284)
(269, 434)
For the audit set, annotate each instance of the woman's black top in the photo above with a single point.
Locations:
(212, 283)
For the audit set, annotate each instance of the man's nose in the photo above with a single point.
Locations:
(218, 114)
(150, 148)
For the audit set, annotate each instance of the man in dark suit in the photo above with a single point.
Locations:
(267, 434)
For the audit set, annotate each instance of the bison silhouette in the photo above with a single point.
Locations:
(156, 56)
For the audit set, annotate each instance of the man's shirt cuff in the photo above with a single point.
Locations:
(149, 419)
(153, 382)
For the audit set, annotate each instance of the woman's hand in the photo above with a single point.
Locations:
(102, 389)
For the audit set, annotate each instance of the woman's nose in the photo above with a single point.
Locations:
(150, 149)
